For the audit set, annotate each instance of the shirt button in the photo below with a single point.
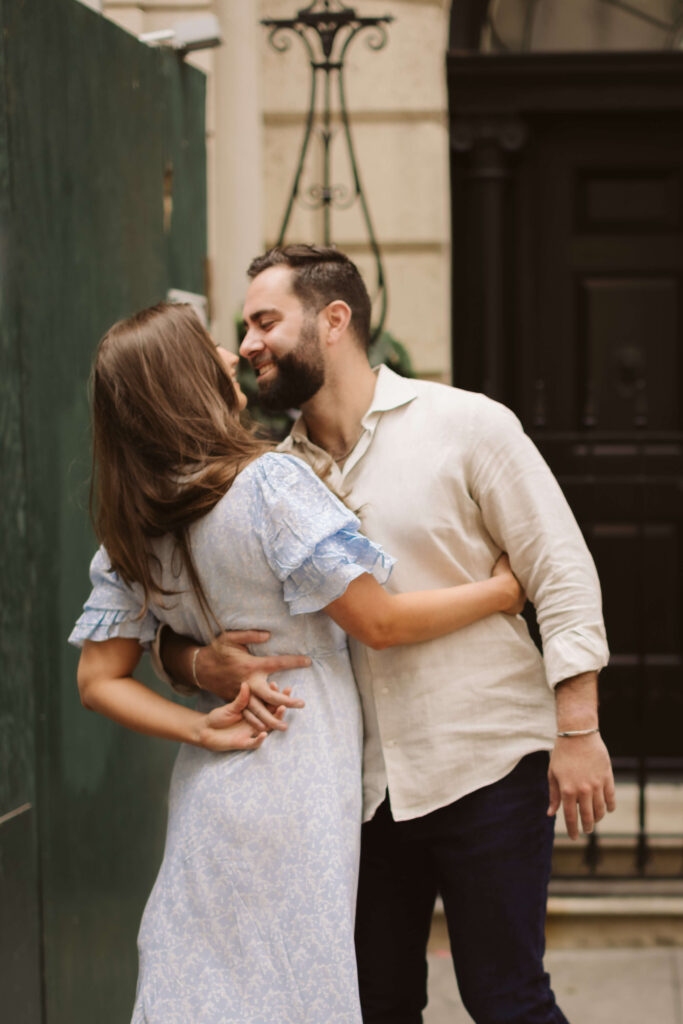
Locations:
(384, 691)
(391, 743)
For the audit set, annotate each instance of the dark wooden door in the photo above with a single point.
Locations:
(568, 218)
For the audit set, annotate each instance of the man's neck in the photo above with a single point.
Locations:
(333, 416)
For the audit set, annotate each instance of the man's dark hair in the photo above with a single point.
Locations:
(321, 275)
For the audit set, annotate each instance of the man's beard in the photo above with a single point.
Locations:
(298, 375)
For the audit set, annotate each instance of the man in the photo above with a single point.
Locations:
(458, 730)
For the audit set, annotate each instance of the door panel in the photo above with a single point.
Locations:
(583, 314)
(608, 254)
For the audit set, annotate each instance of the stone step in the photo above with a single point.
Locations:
(610, 918)
(603, 914)
(608, 904)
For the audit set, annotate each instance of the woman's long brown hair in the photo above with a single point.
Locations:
(167, 439)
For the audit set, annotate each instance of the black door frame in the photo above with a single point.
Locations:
(493, 100)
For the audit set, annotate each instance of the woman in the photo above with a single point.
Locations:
(251, 916)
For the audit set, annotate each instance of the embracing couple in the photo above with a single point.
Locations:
(469, 740)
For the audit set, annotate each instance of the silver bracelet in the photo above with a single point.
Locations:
(194, 667)
(578, 732)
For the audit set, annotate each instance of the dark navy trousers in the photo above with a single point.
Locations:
(488, 855)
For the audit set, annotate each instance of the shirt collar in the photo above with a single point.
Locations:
(391, 392)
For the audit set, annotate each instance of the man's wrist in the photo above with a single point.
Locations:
(176, 653)
(195, 677)
(576, 701)
(572, 733)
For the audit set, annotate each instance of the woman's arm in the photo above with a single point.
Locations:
(106, 685)
(379, 619)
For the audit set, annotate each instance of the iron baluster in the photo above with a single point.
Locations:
(640, 422)
(592, 856)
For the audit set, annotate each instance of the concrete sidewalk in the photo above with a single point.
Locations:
(593, 986)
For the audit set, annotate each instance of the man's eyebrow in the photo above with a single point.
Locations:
(263, 312)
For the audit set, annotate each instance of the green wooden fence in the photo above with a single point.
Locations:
(93, 127)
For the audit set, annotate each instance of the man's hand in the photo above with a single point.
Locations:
(226, 663)
(580, 772)
(580, 775)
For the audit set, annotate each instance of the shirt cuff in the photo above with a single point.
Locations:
(575, 651)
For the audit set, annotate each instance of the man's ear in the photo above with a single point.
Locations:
(337, 316)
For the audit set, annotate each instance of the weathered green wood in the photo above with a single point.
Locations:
(20, 974)
(20, 963)
(94, 119)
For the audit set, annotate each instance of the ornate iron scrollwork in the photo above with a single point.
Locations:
(326, 28)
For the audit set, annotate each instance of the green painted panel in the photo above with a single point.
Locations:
(20, 988)
(16, 714)
(184, 132)
(20, 948)
(94, 119)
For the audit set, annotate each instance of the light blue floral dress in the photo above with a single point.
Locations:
(251, 917)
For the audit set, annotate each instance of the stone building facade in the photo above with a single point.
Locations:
(256, 103)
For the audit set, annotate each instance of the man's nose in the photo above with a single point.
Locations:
(250, 344)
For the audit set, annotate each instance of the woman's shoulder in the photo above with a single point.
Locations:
(281, 463)
(279, 471)
(285, 489)
(272, 481)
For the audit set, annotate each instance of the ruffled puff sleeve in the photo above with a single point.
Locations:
(113, 608)
(310, 539)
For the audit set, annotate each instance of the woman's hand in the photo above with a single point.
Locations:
(267, 703)
(225, 728)
(517, 597)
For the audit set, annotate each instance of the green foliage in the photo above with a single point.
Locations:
(388, 350)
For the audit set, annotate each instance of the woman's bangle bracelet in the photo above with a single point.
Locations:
(194, 667)
(578, 732)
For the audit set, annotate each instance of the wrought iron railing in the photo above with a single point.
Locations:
(326, 29)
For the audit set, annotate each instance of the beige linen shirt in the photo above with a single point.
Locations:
(445, 480)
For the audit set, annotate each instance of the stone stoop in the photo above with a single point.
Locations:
(603, 898)
(607, 901)
(607, 922)
(606, 919)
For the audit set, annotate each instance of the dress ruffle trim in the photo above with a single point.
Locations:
(335, 563)
(100, 624)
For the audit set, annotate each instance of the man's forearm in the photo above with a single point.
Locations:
(176, 654)
(576, 701)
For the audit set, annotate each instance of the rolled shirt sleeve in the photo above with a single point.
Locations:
(528, 516)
